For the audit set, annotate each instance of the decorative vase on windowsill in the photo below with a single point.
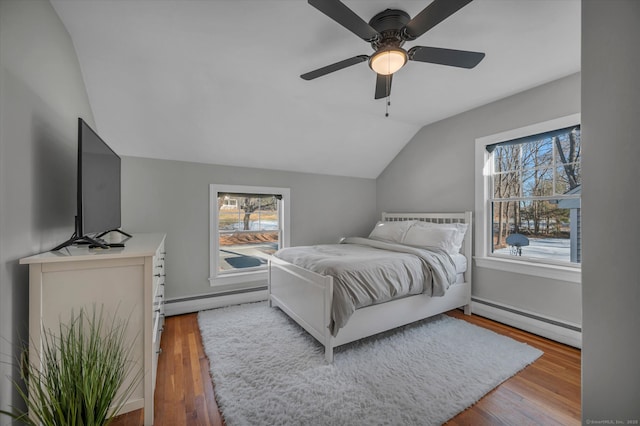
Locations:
(82, 367)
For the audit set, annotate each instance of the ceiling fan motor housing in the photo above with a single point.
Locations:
(389, 23)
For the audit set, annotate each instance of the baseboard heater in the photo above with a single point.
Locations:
(560, 331)
(185, 305)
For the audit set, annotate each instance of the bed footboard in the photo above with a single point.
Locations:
(296, 291)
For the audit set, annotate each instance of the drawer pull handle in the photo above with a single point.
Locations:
(159, 351)
(157, 275)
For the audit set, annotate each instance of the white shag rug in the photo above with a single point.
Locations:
(268, 371)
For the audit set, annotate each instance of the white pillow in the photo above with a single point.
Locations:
(391, 231)
(461, 229)
(447, 236)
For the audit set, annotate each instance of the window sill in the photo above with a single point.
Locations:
(239, 278)
(556, 272)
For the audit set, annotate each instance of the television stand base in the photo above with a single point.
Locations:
(82, 240)
(113, 230)
(94, 242)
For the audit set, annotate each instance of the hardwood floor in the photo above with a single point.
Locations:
(545, 393)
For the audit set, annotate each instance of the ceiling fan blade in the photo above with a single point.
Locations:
(451, 57)
(383, 86)
(334, 67)
(432, 15)
(346, 17)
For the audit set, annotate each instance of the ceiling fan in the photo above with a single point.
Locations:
(387, 32)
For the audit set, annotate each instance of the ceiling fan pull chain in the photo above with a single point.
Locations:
(388, 97)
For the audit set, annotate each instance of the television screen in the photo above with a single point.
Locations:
(98, 183)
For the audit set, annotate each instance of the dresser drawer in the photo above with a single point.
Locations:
(158, 313)
(159, 271)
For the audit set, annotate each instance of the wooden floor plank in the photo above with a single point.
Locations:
(546, 392)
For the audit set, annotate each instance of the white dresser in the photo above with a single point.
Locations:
(128, 282)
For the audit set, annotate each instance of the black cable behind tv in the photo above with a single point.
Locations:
(96, 241)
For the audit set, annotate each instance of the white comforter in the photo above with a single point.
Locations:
(366, 272)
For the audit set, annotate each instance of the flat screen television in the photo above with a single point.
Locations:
(98, 190)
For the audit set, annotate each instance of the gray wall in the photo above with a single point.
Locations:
(611, 287)
(435, 172)
(173, 197)
(42, 96)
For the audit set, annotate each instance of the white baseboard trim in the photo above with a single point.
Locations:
(507, 315)
(212, 302)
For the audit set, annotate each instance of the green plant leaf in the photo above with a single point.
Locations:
(77, 378)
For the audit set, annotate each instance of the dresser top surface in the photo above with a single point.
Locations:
(140, 245)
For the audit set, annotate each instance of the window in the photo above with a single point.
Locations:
(535, 197)
(529, 187)
(247, 225)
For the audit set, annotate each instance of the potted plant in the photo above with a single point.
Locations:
(76, 378)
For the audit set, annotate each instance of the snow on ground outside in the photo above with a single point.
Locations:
(547, 248)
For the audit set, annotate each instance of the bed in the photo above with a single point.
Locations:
(308, 297)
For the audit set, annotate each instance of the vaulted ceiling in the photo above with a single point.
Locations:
(217, 81)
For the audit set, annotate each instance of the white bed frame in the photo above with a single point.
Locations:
(307, 296)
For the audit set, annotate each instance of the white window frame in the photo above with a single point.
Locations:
(215, 277)
(483, 166)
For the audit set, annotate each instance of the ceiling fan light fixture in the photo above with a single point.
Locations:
(388, 60)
